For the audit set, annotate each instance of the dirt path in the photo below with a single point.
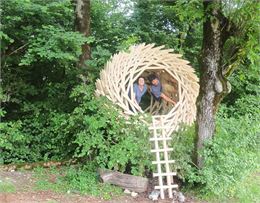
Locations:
(18, 187)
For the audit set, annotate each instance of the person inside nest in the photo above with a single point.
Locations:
(140, 89)
(156, 89)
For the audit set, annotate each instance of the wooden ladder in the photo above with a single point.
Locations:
(163, 161)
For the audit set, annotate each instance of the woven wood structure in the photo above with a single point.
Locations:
(179, 83)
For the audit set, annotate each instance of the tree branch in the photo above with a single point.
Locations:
(21, 47)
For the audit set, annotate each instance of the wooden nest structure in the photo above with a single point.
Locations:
(178, 82)
(176, 76)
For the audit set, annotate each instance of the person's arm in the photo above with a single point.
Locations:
(168, 99)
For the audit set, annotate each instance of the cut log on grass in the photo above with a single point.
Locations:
(130, 182)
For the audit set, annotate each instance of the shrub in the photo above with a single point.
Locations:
(248, 105)
(13, 143)
(103, 135)
(94, 130)
(229, 156)
(183, 148)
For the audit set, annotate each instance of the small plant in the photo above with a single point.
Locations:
(7, 187)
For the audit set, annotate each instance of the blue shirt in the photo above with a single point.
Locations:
(138, 92)
(156, 90)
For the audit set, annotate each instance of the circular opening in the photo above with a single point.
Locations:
(148, 101)
(175, 74)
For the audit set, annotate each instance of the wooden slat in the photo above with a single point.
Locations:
(164, 174)
(163, 162)
(162, 150)
(166, 187)
(160, 138)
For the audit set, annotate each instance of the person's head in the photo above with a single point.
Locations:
(153, 79)
(140, 81)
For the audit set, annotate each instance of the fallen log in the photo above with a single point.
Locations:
(130, 182)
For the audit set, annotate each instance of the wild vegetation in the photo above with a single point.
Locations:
(49, 111)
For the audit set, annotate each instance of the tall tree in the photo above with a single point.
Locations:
(83, 26)
(217, 64)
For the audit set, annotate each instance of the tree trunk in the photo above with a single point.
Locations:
(82, 24)
(213, 85)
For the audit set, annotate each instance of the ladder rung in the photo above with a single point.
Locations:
(162, 150)
(164, 174)
(159, 128)
(160, 138)
(166, 187)
(163, 162)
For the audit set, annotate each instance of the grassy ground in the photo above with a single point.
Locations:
(7, 187)
(84, 183)
(246, 191)
(249, 190)
(74, 180)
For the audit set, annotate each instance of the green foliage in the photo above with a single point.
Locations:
(93, 130)
(232, 154)
(49, 111)
(53, 45)
(13, 143)
(35, 138)
(246, 23)
(99, 56)
(183, 149)
(74, 179)
(39, 37)
(176, 24)
(104, 135)
(247, 105)
(248, 190)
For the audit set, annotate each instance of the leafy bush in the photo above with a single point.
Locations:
(229, 156)
(13, 143)
(103, 135)
(35, 138)
(183, 149)
(248, 105)
(94, 130)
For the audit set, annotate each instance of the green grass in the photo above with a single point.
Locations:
(74, 180)
(6, 187)
(246, 191)
(249, 190)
